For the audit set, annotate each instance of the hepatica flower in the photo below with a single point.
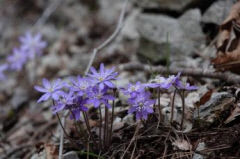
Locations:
(185, 86)
(162, 82)
(81, 85)
(50, 90)
(17, 59)
(142, 105)
(99, 96)
(32, 44)
(66, 100)
(3, 68)
(104, 77)
(133, 89)
(78, 107)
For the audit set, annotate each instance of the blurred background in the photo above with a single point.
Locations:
(171, 33)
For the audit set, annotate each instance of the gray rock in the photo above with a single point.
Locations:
(201, 146)
(217, 12)
(71, 155)
(129, 29)
(218, 103)
(172, 5)
(166, 38)
(41, 155)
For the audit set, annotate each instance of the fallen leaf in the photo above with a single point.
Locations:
(182, 144)
(235, 113)
(51, 151)
(228, 42)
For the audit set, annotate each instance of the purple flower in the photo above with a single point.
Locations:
(103, 77)
(67, 99)
(162, 82)
(133, 89)
(77, 107)
(81, 85)
(32, 44)
(17, 59)
(185, 85)
(50, 90)
(3, 68)
(98, 96)
(142, 105)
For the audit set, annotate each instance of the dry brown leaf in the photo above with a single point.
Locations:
(228, 42)
(51, 151)
(205, 97)
(234, 114)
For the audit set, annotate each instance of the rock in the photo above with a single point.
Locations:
(117, 124)
(41, 155)
(217, 12)
(201, 146)
(20, 96)
(217, 104)
(129, 30)
(109, 10)
(164, 37)
(71, 155)
(169, 5)
(129, 119)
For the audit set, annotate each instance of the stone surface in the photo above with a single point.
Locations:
(20, 96)
(71, 155)
(217, 12)
(164, 37)
(173, 5)
(212, 109)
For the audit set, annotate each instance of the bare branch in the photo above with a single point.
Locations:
(47, 13)
(111, 37)
(225, 76)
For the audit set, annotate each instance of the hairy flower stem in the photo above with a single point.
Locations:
(159, 108)
(88, 127)
(77, 125)
(111, 127)
(183, 109)
(100, 127)
(172, 106)
(59, 120)
(105, 139)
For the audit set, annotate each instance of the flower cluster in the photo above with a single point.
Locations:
(95, 90)
(30, 46)
(81, 92)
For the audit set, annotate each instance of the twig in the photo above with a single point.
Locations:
(47, 12)
(132, 140)
(62, 134)
(135, 145)
(111, 37)
(225, 76)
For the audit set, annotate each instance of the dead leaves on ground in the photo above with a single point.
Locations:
(228, 42)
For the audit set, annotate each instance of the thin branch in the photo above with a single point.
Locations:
(47, 13)
(111, 37)
(225, 76)
(132, 140)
